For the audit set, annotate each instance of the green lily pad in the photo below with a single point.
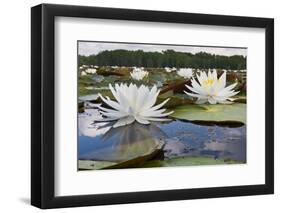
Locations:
(212, 113)
(131, 163)
(189, 161)
(135, 162)
(90, 165)
(177, 161)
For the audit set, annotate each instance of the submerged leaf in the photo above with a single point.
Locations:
(130, 163)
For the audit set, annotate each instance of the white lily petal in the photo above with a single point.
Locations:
(111, 103)
(195, 95)
(107, 109)
(114, 93)
(124, 121)
(159, 119)
(160, 105)
(157, 114)
(104, 119)
(133, 103)
(193, 89)
(212, 100)
(142, 120)
(210, 88)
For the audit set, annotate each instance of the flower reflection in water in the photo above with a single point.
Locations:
(128, 142)
(86, 126)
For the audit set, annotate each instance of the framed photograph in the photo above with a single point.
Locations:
(139, 106)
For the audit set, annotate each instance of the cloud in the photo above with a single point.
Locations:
(89, 48)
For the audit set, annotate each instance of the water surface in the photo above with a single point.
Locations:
(101, 142)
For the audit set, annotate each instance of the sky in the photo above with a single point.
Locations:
(89, 48)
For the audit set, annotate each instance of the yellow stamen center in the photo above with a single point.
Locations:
(208, 82)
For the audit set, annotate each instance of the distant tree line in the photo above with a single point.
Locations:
(167, 58)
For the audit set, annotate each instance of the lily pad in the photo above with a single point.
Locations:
(90, 165)
(189, 161)
(177, 161)
(130, 163)
(212, 113)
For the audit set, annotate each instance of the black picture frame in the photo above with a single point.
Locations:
(43, 102)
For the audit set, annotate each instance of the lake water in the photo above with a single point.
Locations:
(101, 142)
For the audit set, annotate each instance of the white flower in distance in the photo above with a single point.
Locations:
(210, 89)
(168, 69)
(91, 71)
(185, 72)
(133, 104)
(138, 74)
(83, 73)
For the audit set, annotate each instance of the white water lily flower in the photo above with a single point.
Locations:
(91, 71)
(83, 73)
(168, 69)
(214, 70)
(210, 89)
(185, 72)
(133, 104)
(138, 74)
